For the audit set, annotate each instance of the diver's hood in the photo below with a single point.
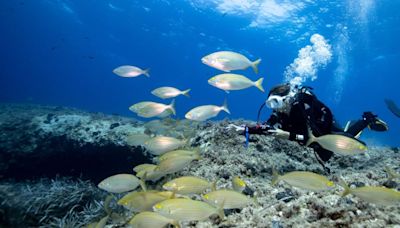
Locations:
(280, 90)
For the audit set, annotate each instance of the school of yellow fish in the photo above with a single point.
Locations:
(174, 203)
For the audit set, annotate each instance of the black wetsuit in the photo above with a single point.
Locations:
(306, 110)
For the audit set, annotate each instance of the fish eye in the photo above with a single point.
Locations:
(206, 196)
(157, 206)
(330, 184)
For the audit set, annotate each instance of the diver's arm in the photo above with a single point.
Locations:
(296, 137)
(259, 129)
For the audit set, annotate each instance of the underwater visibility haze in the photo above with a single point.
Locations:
(63, 53)
(74, 76)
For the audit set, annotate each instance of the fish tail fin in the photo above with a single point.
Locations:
(185, 142)
(197, 156)
(214, 186)
(255, 201)
(225, 107)
(172, 106)
(107, 203)
(345, 186)
(220, 209)
(311, 137)
(367, 155)
(254, 65)
(173, 195)
(186, 93)
(143, 181)
(390, 172)
(102, 223)
(176, 224)
(258, 84)
(275, 176)
(146, 72)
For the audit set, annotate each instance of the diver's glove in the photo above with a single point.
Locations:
(236, 127)
(279, 133)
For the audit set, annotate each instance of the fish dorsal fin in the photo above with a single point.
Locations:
(143, 182)
(221, 212)
(173, 195)
(107, 203)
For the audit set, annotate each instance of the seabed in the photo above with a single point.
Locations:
(52, 159)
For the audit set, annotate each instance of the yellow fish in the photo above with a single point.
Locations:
(162, 144)
(305, 180)
(339, 144)
(205, 112)
(177, 153)
(391, 173)
(120, 183)
(238, 184)
(186, 210)
(144, 167)
(227, 199)
(228, 82)
(373, 194)
(130, 71)
(175, 164)
(229, 60)
(149, 219)
(142, 201)
(169, 92)
(137, 139)
(101, 224)
(188, 185)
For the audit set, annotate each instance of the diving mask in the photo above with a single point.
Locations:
(275, 102)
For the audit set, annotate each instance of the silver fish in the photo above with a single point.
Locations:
(130, 71)
(228, 82)
(206, 112)
(228, 61)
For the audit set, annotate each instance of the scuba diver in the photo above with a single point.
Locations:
(296, 110)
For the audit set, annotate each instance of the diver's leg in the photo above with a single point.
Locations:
(374, 123)
(368, 120)
(356, 127)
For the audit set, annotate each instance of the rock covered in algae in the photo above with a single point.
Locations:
(224, 156)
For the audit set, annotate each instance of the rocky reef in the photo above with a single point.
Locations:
(43, 141)
(53, 157)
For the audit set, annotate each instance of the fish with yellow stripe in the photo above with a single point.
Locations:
(188, 185)
(373, 194)
(143, 201)
(238, 184)
(304, 179)
(149, 219)
(178, 153)
(339, 144)
(187, 210)
(175, 164)
(228, 199)
(121, 183)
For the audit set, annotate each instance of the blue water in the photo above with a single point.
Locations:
(61, 52)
